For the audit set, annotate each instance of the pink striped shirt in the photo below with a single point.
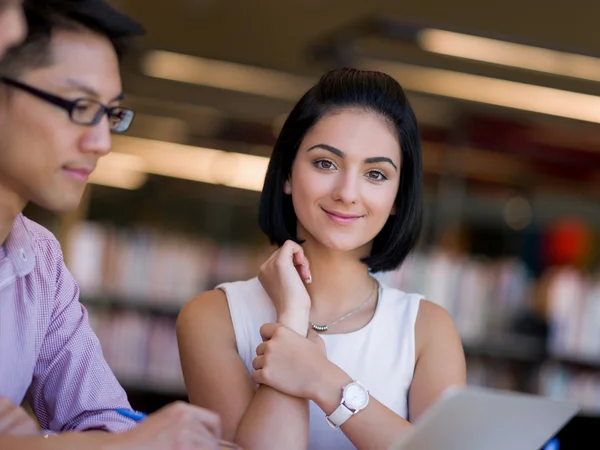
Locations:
(48, 352)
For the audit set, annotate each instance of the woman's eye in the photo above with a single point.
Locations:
(324, 164)
(375, 175)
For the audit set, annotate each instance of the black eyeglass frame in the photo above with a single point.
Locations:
(123, 114)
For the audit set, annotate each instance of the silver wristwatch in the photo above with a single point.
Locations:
(355, 397)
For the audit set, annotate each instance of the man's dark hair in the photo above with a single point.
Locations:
(45, 17)
(336, 91)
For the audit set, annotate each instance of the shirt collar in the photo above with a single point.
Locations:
(19, 247)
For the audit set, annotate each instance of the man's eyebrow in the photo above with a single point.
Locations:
(88, 90)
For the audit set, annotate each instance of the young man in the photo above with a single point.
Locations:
(12, 24)
(59, 102)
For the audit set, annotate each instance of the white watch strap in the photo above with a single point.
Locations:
(339, 416)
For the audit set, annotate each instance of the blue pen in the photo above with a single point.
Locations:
(131, 414)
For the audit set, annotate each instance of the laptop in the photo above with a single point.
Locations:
(470, 418)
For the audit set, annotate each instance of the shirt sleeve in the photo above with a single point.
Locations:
(73, 388)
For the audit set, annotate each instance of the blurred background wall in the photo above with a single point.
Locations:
(506, 95)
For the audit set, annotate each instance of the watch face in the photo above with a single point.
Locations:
(356, 396)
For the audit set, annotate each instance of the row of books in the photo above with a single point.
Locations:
(140, 349)
(484, 297)
(481, 295)
(142, 265)
(573, 300)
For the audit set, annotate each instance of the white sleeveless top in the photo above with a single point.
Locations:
(380, 355)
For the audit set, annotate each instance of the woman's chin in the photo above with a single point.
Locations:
(343, 245)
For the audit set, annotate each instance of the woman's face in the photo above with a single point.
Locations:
(345, 179)
(12, 24)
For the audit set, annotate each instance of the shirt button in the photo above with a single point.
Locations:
(23, 254)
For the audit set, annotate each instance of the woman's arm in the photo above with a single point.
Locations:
(440, 364)
(440, 360)
(216, 378)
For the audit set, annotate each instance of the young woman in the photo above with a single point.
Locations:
(315, 352)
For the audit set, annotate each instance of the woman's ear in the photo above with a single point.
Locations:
(287, 187)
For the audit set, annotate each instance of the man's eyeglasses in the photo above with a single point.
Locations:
(82, 111)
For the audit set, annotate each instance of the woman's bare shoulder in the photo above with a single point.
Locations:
(207, 312)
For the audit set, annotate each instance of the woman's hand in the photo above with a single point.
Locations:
(283, 276)
(289, 362)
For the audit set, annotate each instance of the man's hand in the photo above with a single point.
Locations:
(15, 421)
(178, 426)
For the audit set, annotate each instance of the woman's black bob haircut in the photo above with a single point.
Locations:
(336, 91)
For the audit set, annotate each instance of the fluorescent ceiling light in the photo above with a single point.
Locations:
(510, 94)
(225, 75)
(526, 97)
(509, 54)
(200, 164)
